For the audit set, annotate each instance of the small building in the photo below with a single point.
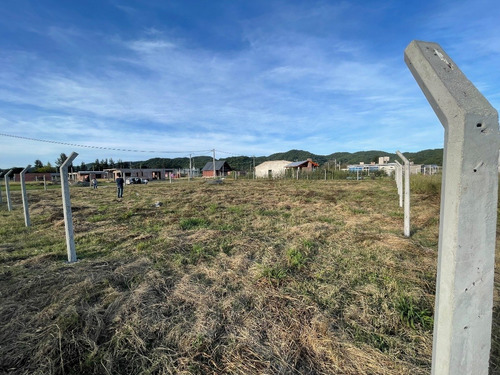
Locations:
(271, 169)
(222, 168)
(35, 176)
(306, 165)
(88, 175)
(383, 160)
(388, 168)
(145, 173)
(385, 166)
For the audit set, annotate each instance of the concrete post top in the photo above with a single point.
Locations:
(69, 160)
(26, 169)
(8, 173)
(405, 160)
(439, 77)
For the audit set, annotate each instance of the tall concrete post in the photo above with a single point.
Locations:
(25, 196)
(399, 181)
(406, 193)
(68, 217)
(213, 163)
(7, 189)
(1, 199)
(467, 230)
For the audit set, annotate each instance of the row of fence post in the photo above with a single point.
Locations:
(68, 219)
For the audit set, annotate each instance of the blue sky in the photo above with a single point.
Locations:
(256, 77)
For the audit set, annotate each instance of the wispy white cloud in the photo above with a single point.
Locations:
(302, 77)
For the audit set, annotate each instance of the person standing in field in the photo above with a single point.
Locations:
(119, 185)
(94, 183)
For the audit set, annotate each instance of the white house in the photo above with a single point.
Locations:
(271, 169)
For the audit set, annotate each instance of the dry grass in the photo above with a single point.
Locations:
(246, 277)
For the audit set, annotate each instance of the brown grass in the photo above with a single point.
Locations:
(246, 277)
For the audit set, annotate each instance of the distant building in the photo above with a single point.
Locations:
(383, 160)
(146, 173)
(307, 165)
(222, 168)
(271, 169)
(88, 175)
(34, 176)
(383, 165)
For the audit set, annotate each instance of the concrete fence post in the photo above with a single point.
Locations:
(68, 217)
(25, 196)
(44, 183)
(7, 189)
(406, 193)
(399, 181)
(467, 229)
(1, 199)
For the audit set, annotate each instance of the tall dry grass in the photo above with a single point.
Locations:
(246, 277)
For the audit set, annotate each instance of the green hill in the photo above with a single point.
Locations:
(245, 163)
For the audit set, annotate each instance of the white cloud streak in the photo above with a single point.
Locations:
(288, 85)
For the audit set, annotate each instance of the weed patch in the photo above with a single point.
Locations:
(193, 223)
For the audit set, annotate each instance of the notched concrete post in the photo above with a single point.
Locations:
(399, 181)
(466, 259)
(406, 193)
(68, 217)
(7, 189)
(27, 220)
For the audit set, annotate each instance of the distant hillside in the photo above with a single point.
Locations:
(421, 157)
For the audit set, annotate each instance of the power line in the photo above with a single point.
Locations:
(229, 153)
(102, 147)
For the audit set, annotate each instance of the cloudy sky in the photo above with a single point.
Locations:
(171, 78)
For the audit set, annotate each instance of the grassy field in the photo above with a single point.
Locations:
(244, 277)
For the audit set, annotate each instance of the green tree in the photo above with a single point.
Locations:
(60, 160)
(48, 168)
(38, 165)
(104, 164)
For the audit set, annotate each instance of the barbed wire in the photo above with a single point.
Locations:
(103, 147)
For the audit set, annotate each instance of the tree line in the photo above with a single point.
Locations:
(97, 165)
